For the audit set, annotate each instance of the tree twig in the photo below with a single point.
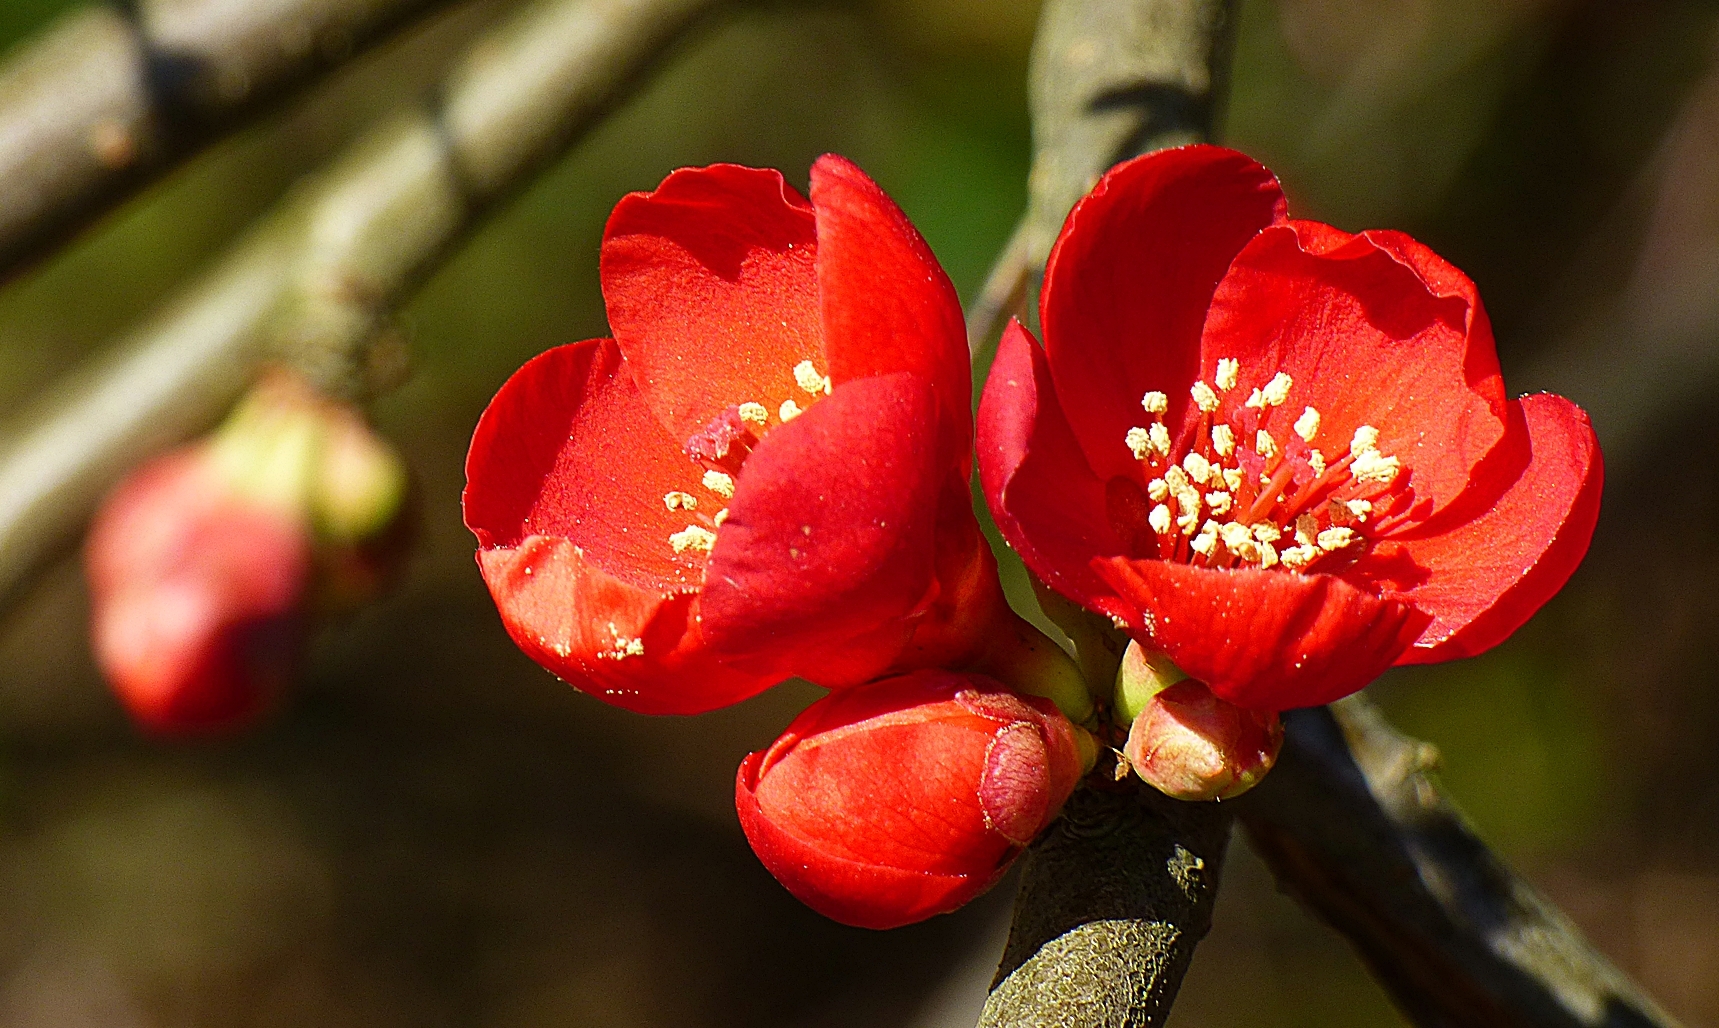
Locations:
(1109, 79)
(317, 281)
(110, 96)
(1352, 826)
(1108, 913)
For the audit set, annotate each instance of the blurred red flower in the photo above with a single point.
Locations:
(888, 803)
(763, 474)
(1278, 453)
(197, 595)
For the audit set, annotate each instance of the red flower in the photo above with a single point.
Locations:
(762, 475)
(885, 804)
(196, 596)
(1279, 453)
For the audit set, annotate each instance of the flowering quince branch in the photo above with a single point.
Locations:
(1356, 830)
(316, 282)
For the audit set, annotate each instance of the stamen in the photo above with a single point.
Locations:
(1372, 466)
(1219, 503)
(1264, 445)
(1233, 478)
(1204, 398)
(1157, 489)
(1336, 538)
(1298, 557)
(674, 499)
(1316, 461)
(1360, 509)
(692, 537)
(1206, 543)
(1223, 440)
(1255, 399)
(1366, 438)
(1198, 467)
(789, 410)
(1267, 555)
(1266, 532)
(1139, 442)
(1160, 438)
(754, 413)
(1177, 480)
(1307, 426)
(721, 516)
(1155, 402)
(1159, 519)
(807, 377)
(1277, 390)
(1236, 535)
(1229, 369)
(719, 483)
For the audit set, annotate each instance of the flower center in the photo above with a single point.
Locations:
(1236, 494)
(721, 449)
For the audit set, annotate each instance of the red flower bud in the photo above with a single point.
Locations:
(195, 596)
(1191, 745)
(887, 803)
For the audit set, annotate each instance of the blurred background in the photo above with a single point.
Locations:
(436, 832)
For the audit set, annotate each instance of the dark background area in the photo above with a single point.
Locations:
(434, 831)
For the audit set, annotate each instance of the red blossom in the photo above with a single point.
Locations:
(888, 803)
(196, 596)
(1279, 453)
(762, 475)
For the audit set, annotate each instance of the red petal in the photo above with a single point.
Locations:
(568, 449)
(827, 553)
(1129, 281)
(632, 647)
(1264, 640)
(887, 305)
(1485, 578)
(1375, 329)
(711, 290)
(1047, 502)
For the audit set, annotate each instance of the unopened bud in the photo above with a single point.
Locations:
(1191, 745)
(1142, 675)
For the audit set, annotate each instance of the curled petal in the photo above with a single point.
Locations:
(1130, 278)
(637, 648)
(711, 289)
(1487, 576)
(1046, 499)
(887, 305)
(1263, 640)
(827, 555)
(1374, 329)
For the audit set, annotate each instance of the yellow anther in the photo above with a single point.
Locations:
(1229, 369)
(1316, 461)
(674, 499)
(1219, 503)
(1360, 509)
(1157, 489)
(1366, 437)
(1198, 467)
(1236, 534)
(1298, 557)
(1223, 440)
(1159, 519)
(1267, 555)
(720, 483)
(1306, 527)
(1189, 519)
(1255, 399)
(1155, 402)
(1204, 398)
(721, 516)
(1207, 541)
(1233, 478)
(1336, 538)
(1307, 426)
(789, 410)
(1372, 466)
(806, 377)
(692, 537)
(1160, 438)
(754, 413)
(1277, 390)
(1264, 444)
(1177, 480)
(1266, 532)
(1139, 442)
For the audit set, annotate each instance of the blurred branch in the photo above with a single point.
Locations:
(1118, 893)
(317, 281)
(1109, 80)
(111, 96)
(1353, 827)
(1113, 899)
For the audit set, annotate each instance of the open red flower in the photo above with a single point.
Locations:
(888, 803)
(762, 475)
(1278, 453)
